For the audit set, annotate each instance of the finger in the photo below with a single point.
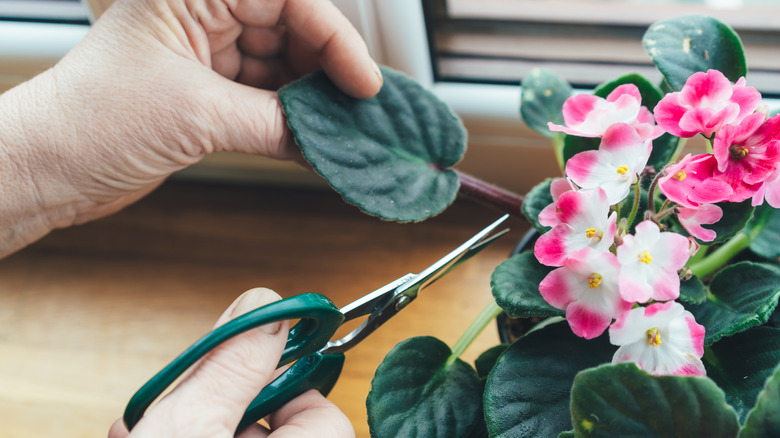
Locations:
(254, 431)
(310, 415)
(118, 430)
(321, 27)
(262, 42)
(216, 392)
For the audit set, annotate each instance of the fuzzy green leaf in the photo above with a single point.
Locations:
(415, 394)
(743, 295)
(515, 284)
(390, 155)
(741, 364)
(685, 45)
(488, 358)
(622, 400)
(542, 98)
(767, 243)
(764, 419)
(528, 392)
(535, 201)
(693, 291)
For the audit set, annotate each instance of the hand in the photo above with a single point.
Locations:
(154, 86)
(211, 398)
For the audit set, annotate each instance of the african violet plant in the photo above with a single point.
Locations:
(653, 283)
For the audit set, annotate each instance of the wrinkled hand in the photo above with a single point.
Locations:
(211, 399)
(154, 86)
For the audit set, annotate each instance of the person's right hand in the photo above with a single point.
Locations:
(155, 86)
(212, 397)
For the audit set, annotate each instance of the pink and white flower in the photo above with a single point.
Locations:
(587, 289)
(690, 182)
(548, 217)
(707, 102)
(583, 221)
(692, 219)
(769, 190)
(586, 115)
(662, 339)
(747, 154)
(621, 156)
(649, 263)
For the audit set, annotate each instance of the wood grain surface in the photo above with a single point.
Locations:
(89, 313)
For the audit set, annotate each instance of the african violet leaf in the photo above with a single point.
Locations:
(515, 284)
(488, 358)
(542, 98)
(528, 392)
(742, 363)
(415, 393)
(764, 419)
(390, 155)
(685, 45)
(622, 400)
(735, 216)
(767, 242)
(535, 201)
(743, 295)
(693, 291)
(573, 145)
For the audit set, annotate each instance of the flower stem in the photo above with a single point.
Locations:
(635, 206)
(491, 195)
(558, 145)
(716, 259)
(477, 326)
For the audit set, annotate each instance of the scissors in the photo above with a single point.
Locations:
(316, 360)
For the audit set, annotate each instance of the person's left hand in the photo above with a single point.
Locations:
(154, 87)
(211, 399)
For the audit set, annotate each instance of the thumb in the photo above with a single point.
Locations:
(212, 398)
(249, 120)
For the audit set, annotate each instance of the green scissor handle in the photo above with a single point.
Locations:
(319, 320)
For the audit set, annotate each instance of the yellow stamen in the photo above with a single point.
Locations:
(646, 258)
(680, 175)
(654, 337)
(622, 170)
(590, 232)
(739, 152)
(594, 280)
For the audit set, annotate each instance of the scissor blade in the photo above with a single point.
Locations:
(385, 302)
(462, 253)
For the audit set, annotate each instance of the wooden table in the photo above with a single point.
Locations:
(89, 313)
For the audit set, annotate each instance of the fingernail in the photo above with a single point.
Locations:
(251, 300)
(377, 71)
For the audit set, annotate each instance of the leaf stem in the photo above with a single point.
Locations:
(490, 194)
(477, 326)
(716, 259)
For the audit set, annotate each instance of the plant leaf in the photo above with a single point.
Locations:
(542, 98)
(535, 201)
(389, 155)
(527, 393)
(693, 291)
(735, 217)
(573, 145)
(515, 284)
(488, 358)
(741, 364)
(764, 419)
(622, 400)
(414, 393)
(767, 243)
(685, 45)
(743, 295)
